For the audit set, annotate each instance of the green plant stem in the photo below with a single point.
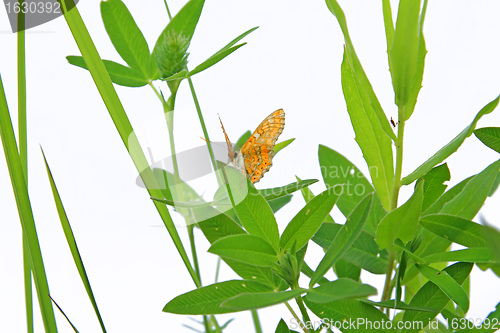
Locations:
(256, 321)
(303, 311)
(394, 200)
(203, 127)
(302, 325)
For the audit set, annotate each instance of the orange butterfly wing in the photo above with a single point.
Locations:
(258, 150)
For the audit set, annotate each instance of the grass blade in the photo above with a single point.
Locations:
(70, 238)
(25, 212)
(122, 123)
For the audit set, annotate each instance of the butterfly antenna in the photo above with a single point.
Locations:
(230, 150)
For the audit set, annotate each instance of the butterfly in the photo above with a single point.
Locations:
(256, 155)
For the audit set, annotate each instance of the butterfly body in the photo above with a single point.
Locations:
(255, 156)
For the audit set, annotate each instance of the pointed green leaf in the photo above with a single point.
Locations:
(456, 229)
(258, 300)
(249, 249)
(277, 204)
(490, 136)
(345, 312)
(376, 147)
(431, 296)
(277, 192)
(475, 254)
(360, 74)
(281, 145)
(304, 225)
(447, 284)
(402, 222)
(119, 74)
(392, 304)
(433, 185)
(363, 253)
(70, 238)
(344, 239)
(207, 300)
(252, 209)
(221, 54)
(449, 148)
(340, 289)
(126, 36)
(282, 327)
(338, 170)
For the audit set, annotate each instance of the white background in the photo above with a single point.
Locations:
(292, 62)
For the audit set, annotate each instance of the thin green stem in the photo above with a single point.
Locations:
(168, 10)
(303, 311)
(302, 325)
(256, 321)
(203, 127)
(388, 276)
(190, 228)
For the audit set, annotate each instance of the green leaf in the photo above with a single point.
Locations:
(207, 300)
(278, 192)
(119, 74)
(449, 148)
(340, 289)
(25, 211)
(338, 170)
(407, 56)
(447, 197)
(402, 222)
(277, 204)
(447, 284)
(222, 53)
(360, 75)
(282, 327)
(249, 249)
(70, 238)
(431, 296)
(456, 229)
(252, 209)
(433, 184)
(376, 147)
(343, 313)
(490, 325)
(184, 22)
(363, 253)
(475, 254)
(392, 304)
(126, 36)
(344, 239)
(281, 145)
(219, 226)
(304, 225)
(490, 136)
(258, 300)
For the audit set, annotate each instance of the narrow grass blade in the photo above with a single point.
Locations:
(122, 123)
(64, 314)
(449, 148)
(25, 212)
(281, 145)
(70, 238)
